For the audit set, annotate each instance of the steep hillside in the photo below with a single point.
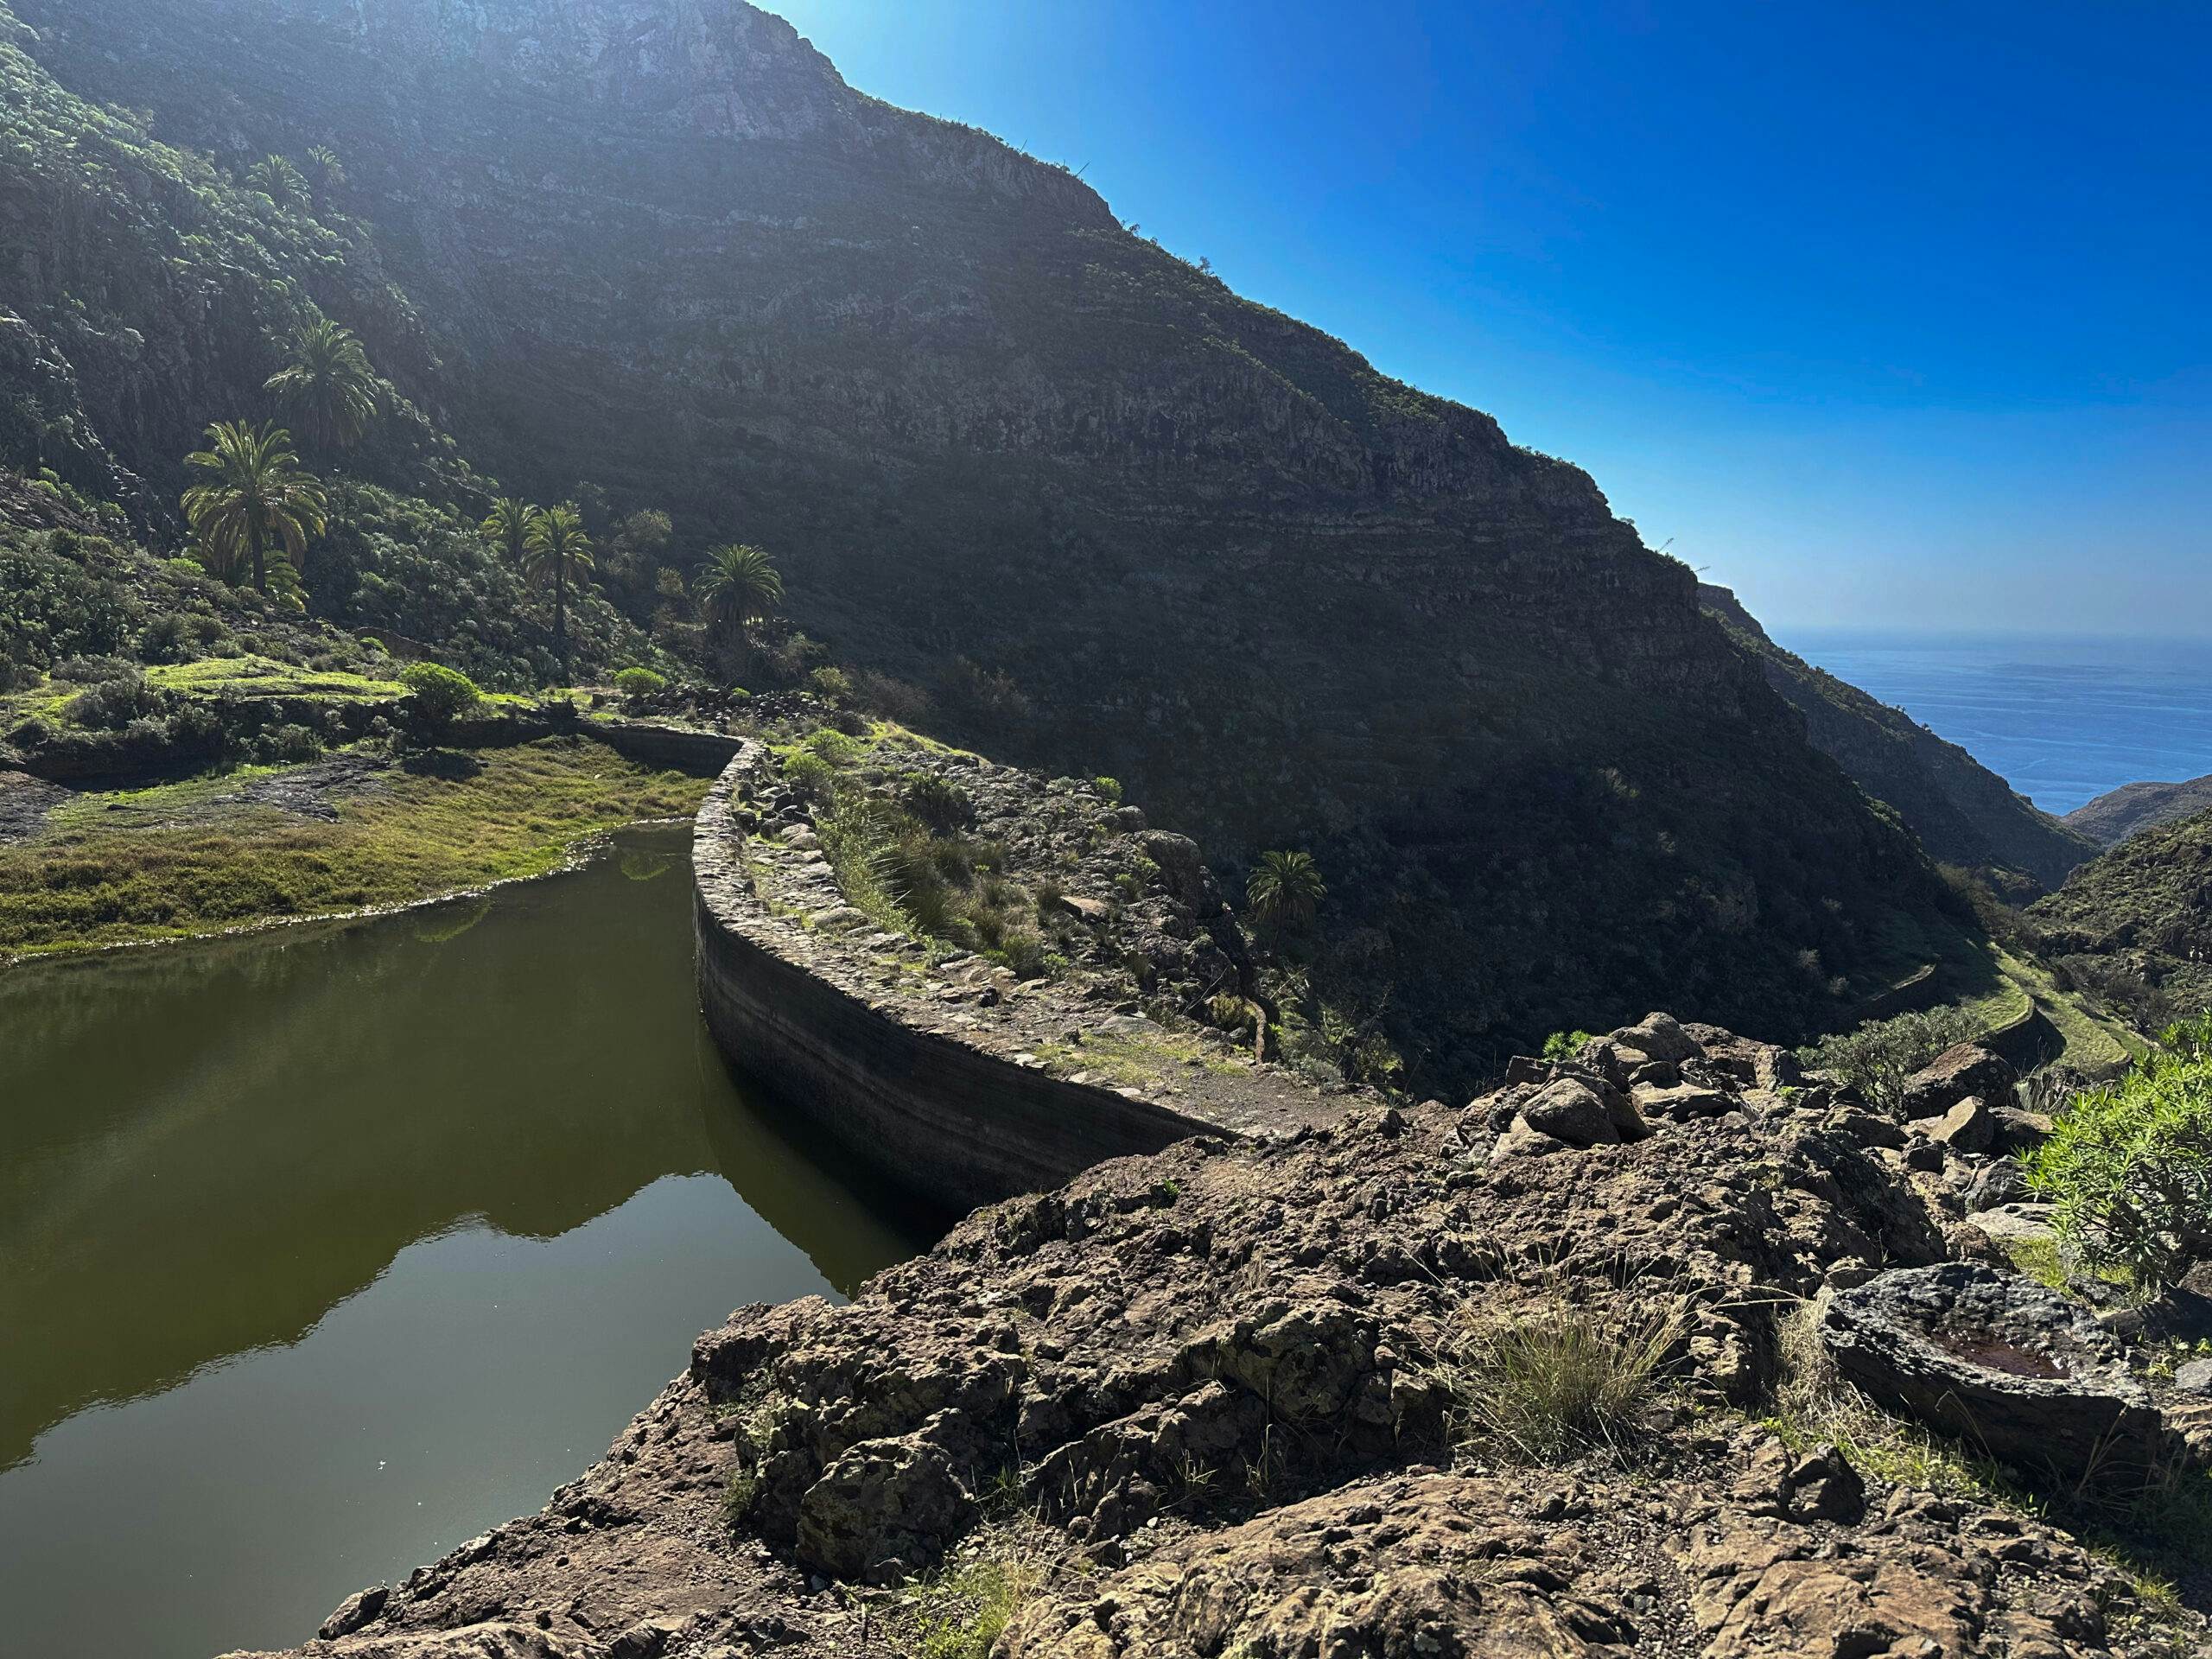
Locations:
(2135, 925)
(1963, 812)
(1117, 518)
(2119, 813)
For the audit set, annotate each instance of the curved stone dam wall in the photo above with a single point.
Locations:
(930, 1076)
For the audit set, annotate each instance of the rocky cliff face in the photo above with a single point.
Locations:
(662, 246)
(1963, 812)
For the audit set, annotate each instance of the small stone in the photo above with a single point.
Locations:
(2195, 1377)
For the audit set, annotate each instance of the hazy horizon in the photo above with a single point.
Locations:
(1865, 316)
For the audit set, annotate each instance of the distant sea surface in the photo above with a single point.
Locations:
(2062, 719)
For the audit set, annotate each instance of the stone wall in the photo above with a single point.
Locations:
(931, 1107)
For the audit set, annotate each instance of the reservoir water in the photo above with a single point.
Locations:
(323, 1249)
(2062, 719)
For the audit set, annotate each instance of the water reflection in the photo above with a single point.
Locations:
(205, 1150)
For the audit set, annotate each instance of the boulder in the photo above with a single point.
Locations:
(2002, 1364)
(1862, 1128)
(1571, 1111)
(1967, 1127)
(2018, 1131)
(357, 1610)
(1658, 1037)
(1683, 1102)
(1086, 910)
(2195, 1377)
(2017, 1221)
(1994, 1183)
(1956, 1073)
(882, 1510)
(1519, 1141)
(1182, 870)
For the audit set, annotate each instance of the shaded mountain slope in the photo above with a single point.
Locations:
(2135, 925)
(2119, 813)
(1115, 518)
(1963, 812)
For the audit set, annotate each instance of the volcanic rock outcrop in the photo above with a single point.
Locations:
(1231, 1386)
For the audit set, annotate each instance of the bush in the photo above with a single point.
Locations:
(833, 683)
(833, 748)
(638, 684)
(287, 745)
(894, 699)
(1109, 789)
(938, 801)
(112, 705)
(1878, 1057)
(438, 695)
(810, 774)
(2129, 1166)
(1565, 1045)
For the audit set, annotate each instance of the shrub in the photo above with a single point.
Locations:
(287, 745)
(638, 684)
(894, 699)
(1564, 1045)
(1023, 952)
(833, 748)
(112, 705)
(91, 670)
(810, 774)
(438, 695)
(938, 801)
(1109, 789)
(2129, 1166)
(1878, 1057)
(834, 683)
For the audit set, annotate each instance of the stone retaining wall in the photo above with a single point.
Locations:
(929, 1107)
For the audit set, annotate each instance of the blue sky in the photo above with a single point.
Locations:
(1893, 316)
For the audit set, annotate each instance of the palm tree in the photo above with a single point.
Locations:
(279, 180)
(507, 528)
(328, 385)
(1286, 889)
(327, 164)
(555, 546)
(737, 585)
(255, 499)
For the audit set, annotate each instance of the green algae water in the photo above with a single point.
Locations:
(324, 1249)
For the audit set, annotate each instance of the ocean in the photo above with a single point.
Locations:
(2062, 719)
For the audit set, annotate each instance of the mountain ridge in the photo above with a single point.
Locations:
(1117, 518)
(2119, 813)
(1963, 813)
